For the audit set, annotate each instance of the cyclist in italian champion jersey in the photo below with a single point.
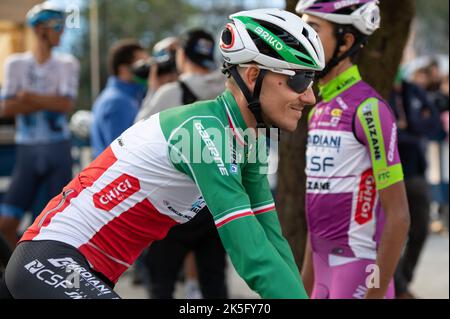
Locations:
(356, 205)
(154, 176)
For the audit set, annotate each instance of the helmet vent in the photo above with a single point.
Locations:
(227, 37)
(281, 18)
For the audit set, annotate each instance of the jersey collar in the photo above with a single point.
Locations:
(233, 110)
(342, 82)
(234, 115)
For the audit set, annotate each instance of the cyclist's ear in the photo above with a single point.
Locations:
(250, 76)
(349, 40)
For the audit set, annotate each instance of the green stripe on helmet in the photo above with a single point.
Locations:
(286, 52)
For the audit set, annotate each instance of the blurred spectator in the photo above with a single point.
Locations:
(443, 105)
(199, 80)
(39, 91)
(440, 206)
(434, 76)
(416, 118)
(420, 78)
(165, 67)
(117, 105)
(161, 70)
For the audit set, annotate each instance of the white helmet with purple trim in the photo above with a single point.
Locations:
(364, 15)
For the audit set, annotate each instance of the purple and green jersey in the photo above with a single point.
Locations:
(352, 154)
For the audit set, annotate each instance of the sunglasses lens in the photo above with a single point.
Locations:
(301, 81)
(58, 28)
(56, 25)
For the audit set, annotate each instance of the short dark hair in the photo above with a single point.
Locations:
(122, 52)
(198, 45)
(341, 29)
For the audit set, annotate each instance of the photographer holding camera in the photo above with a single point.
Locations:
(199, 77)
(159, 70)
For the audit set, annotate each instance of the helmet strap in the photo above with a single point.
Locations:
(336, 59)
(253, 101)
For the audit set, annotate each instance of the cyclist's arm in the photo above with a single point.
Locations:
(254, 257)
(9, 104)
(395, 205)
(55, 103)
(11, 107)
(258, 188)
(375, 127)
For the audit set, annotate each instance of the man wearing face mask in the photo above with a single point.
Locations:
(116, 107)
(39, 90)
(356, 204)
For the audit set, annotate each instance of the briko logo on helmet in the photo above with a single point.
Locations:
(269, 38)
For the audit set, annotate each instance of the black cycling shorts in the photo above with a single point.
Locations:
(53, 270)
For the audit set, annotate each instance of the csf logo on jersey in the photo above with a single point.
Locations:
(116, 192)
(34, 266)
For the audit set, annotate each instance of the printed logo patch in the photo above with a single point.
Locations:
(116, 192)
(366, 198)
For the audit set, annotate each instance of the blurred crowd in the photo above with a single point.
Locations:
(420, 103)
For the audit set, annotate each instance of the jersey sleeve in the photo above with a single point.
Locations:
(70, 73)
(253, 255)
(376, 128)
(257, 187)
(11, 79)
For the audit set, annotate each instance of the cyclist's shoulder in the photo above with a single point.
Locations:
(66, 59)
(373, 102)
(208, 113)
(362, 96)
(17, 59)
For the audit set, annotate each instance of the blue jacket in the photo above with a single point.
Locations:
(114, 112)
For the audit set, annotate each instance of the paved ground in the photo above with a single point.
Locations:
(431, 281)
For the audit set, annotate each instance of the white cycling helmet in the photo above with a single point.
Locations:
(364, 15)
(273, 38)
(44, 12)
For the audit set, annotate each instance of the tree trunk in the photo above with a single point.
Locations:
(380, 59)
(378, 64)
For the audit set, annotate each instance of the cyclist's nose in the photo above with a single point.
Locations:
(308, 97)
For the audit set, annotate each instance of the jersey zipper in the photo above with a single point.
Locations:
(61, 203)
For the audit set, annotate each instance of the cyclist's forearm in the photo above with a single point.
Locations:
(53, 103)
(308, 268)
(258, 262)
(391, 245)
(269, 222)
(13, 107)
